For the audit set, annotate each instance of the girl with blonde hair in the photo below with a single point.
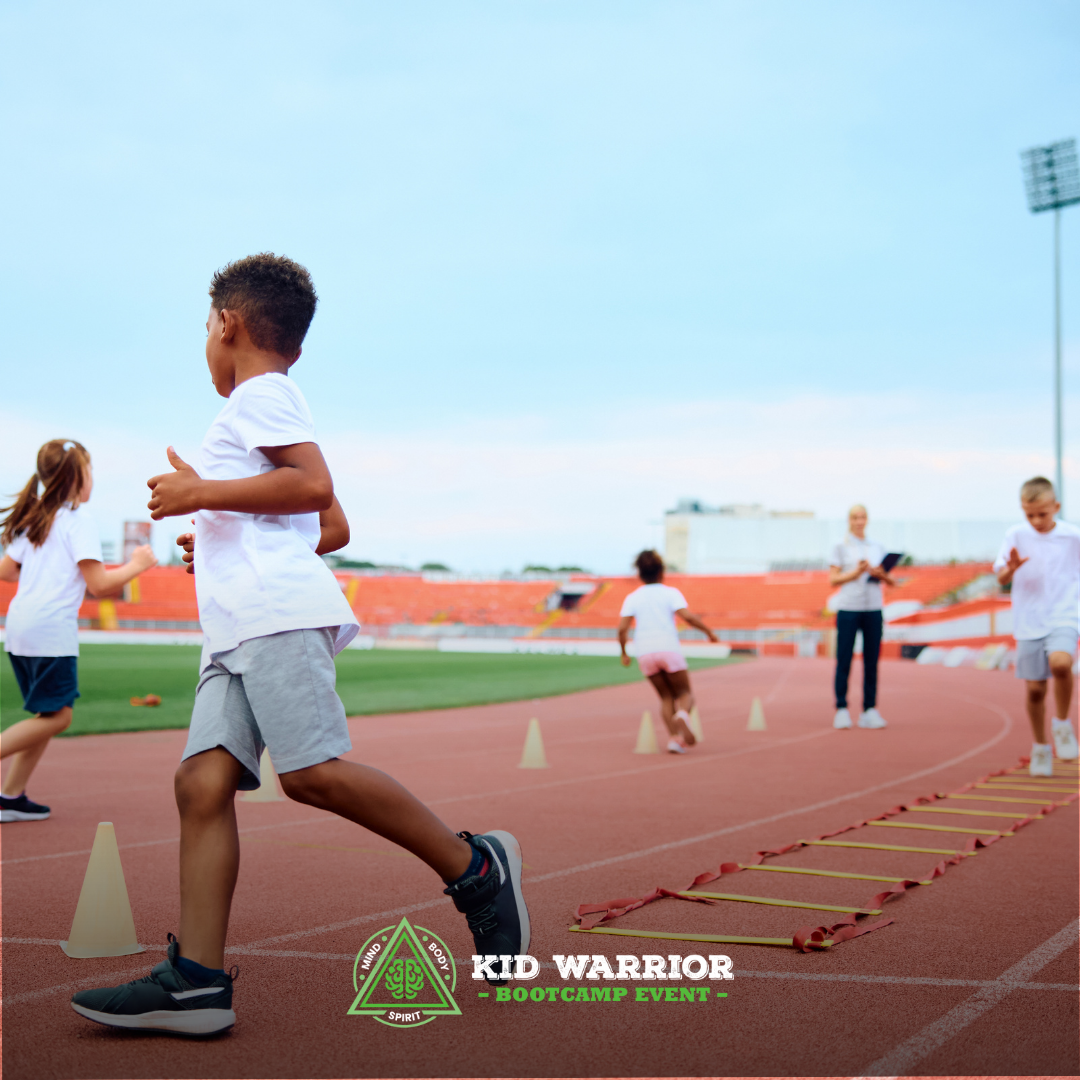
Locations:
(54, 553)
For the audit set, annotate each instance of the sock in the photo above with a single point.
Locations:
(1040, 746)
(478, 867)
(196, 973)
(1058, 723)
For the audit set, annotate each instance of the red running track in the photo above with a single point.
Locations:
(977, 975)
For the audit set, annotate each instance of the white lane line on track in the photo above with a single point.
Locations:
(170, 840)
(901, 1059)
(1006, 727)
(697, 759)
(581, 868)
(523, 789)
(114, 977)
(108, 978)
(679, 763)
(778, 685)
(742, 973)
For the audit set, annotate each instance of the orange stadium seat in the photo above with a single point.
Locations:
(166, 595)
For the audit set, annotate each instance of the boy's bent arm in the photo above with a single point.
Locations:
(300, 483)
(334, 529)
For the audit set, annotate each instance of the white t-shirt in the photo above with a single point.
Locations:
(864, 593)
(258, 574)
(43, 617)
(653, 608)
(1046, 589)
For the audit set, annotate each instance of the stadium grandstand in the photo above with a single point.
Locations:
(779, 613)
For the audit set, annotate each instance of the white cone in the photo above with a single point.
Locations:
(532, 756)
(267, 791)
(646, 736)
(756, 722)
(103, 924)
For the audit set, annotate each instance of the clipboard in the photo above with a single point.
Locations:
(891, 560)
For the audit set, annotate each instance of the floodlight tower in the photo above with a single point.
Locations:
(1053, 182)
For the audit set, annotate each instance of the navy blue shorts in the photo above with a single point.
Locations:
(48, 683)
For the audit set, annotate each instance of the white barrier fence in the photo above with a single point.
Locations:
(569, 647)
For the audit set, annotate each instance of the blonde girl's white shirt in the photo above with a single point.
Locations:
(258, 574)
(653, 608)
(864, 593)
(1046, 589)
(43, 617)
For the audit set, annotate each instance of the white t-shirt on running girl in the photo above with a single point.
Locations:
(653, 608)
(258, 574)
(43, 618)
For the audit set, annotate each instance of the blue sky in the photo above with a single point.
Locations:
(575, 260)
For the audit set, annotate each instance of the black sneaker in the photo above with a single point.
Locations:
(162, 1001)
(20, 808)
(493, 905)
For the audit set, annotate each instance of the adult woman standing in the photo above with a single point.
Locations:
(855, 565)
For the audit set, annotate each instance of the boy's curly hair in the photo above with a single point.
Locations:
(273, 295)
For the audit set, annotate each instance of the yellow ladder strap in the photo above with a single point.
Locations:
(719, 939)
(783, 903)
(936, 828)
(1024, 787)
(827, 873)
(1005, 798)
(888, 847)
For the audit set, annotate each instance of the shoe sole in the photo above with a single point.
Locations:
(513, 858)
(194, 1022)
(20, 815)
(842, 727)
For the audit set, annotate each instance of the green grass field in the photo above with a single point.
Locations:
(378, 681)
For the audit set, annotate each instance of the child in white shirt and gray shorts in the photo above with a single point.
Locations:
(1040, 559)
(273, 618)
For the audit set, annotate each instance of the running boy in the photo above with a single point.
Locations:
(1041, 559)
(653, 608)
(274, 617)
(54, 553)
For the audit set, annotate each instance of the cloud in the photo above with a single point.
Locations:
(585, 484)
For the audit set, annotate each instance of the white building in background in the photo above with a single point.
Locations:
(748, 539)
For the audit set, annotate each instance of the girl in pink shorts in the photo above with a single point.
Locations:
(653, 608)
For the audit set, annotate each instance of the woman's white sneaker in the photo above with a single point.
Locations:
(871, 718)
(842, 719)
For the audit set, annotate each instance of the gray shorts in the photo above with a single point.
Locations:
(275, 691)
(1033, 655)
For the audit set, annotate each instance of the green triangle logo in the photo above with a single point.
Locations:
(404, 979)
